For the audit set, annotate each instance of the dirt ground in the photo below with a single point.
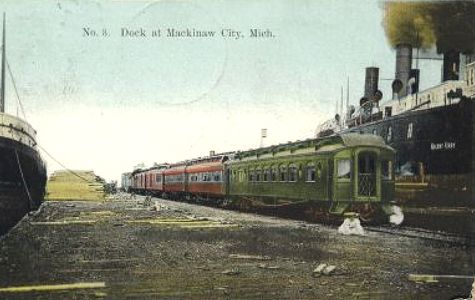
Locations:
(129, 248)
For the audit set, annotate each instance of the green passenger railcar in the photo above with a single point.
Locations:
(337, 174)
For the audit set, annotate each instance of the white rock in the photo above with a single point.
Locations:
(397, 216)
(320, 268)
(329, 270)
(351, 226)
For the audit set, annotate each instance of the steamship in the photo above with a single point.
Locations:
(432, 130)
(22, 171)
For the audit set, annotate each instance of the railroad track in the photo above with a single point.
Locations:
(421, 233)
(404, 231)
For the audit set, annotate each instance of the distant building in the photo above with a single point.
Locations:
(139, 166)
(126, 181)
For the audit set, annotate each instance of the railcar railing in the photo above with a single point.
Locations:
(367, 184)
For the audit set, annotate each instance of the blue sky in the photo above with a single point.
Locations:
(110, 103)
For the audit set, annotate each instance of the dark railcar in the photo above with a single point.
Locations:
(337, 174)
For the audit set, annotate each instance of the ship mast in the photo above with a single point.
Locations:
(2, 95)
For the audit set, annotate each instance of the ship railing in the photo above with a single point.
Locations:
(16, 129)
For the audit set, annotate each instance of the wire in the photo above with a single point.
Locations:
(43, 149)
(62, 165)
(16, 91)
(23, 179)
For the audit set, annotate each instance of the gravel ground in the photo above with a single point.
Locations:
(162, 249)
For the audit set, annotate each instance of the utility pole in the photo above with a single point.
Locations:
(263, 136)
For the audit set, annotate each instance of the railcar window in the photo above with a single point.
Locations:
(366, 164)
(310, 173)
(283, 173)
(258, 175)
(207, 177)
(158, 178)
(217, 177)
(386, 169)
(274, 175)
(174, 178)
(344, 168)
(266, 175)
(293, 173)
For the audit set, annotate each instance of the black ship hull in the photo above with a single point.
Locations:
(22, 181)
(433, 164)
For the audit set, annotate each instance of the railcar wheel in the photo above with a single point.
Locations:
(317, 214)
(367, 213)
(245, 204)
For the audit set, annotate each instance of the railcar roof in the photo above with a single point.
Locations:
(323, 144)
(358, 139)
(154, 167)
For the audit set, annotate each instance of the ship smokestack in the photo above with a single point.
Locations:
(371, 82)
(451, 66)
(403, 67)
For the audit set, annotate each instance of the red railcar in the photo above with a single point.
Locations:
(149, 180)
(206, 178)
(174, 180)
(154, 179)
(138, 181)
(199, 178)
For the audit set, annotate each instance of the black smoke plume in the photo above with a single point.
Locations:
(449, 25)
